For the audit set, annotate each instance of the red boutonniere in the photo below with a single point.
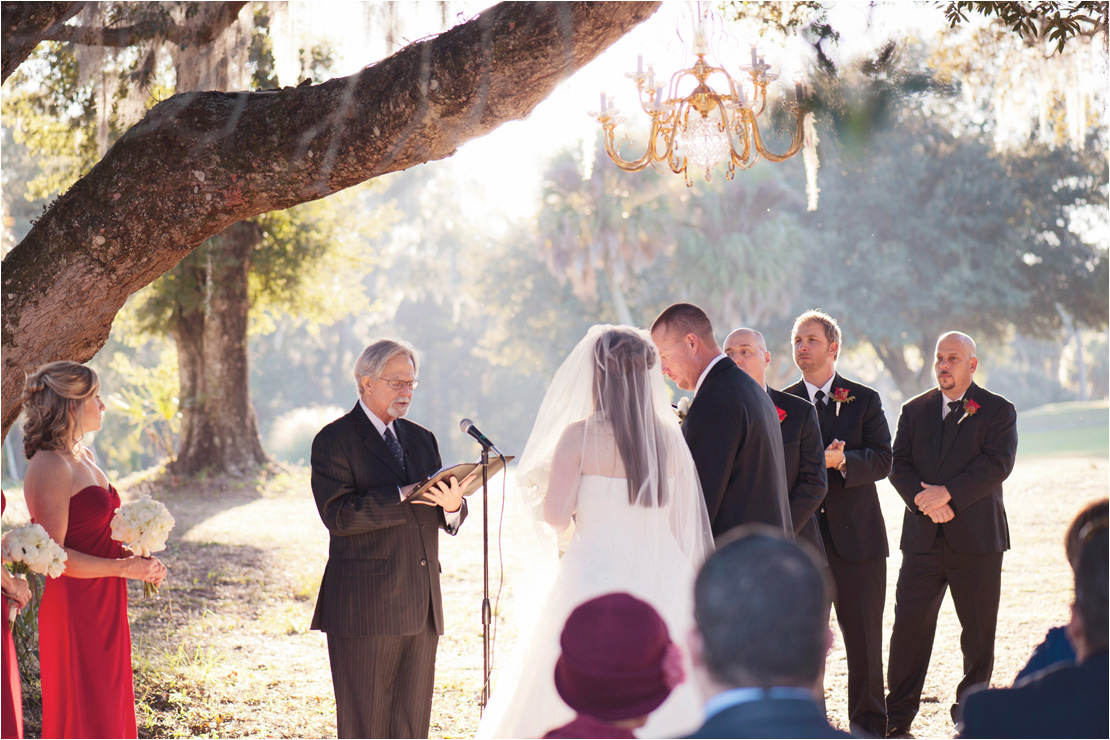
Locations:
(840, 395)
(782, 414)
(970, 407)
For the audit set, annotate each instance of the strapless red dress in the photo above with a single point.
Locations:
(13, 695)
(84, 636)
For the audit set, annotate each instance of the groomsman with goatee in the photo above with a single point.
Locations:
(857, 454)
(955, 446)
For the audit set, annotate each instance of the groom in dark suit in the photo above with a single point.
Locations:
(955, 445)
(379, 600)
(732, 427)
(804, 455)
(857, 453)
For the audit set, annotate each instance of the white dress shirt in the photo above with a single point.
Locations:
(944, 408)
(705, 372)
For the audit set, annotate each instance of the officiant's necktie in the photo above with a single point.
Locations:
(394, 446)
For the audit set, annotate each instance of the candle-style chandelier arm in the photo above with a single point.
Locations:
(796, 138)
(627, 165)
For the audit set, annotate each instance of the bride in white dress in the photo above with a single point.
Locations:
(607, 457)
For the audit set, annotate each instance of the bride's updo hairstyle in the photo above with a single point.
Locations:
(622, 396)
(52, 398)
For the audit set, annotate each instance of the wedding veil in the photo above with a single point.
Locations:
(609, 403)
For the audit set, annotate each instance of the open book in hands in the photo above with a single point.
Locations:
(459, 472)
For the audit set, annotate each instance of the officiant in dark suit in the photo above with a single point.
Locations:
(380, 600)
(856, 437)
(732, 427)
(955, 445)
(803, 453)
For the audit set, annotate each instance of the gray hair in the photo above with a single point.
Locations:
(371, 363)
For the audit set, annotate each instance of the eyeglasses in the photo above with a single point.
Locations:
(399, 384)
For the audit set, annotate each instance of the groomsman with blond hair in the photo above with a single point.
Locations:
(955, 446)
(857, 454)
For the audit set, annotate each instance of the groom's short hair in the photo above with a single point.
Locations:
(685, 318)
(761, 605)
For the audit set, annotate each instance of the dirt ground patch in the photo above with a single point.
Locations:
(226, 650)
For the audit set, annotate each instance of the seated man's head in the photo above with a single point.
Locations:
(1089, 614)
(761, 609)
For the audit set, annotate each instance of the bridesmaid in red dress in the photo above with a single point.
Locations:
(16, 595)
(84, 636)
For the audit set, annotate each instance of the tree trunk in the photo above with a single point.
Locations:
(199, 162)
(219, 429)
(910, 383)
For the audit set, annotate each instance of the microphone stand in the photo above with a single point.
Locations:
(487, 612)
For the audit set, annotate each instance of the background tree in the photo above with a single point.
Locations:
(200, 162)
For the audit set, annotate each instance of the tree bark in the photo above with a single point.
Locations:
(213, 19)
(910, 383)
(219, 429)
(25, 25)
(199, 162)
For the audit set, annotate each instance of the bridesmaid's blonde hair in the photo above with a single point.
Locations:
(52, 398)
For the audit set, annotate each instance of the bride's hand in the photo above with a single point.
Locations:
(447, 495)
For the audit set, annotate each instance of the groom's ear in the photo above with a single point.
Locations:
(693, 341)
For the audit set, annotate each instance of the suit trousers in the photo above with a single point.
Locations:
(859, 597)
(383, 685)
(976, 583)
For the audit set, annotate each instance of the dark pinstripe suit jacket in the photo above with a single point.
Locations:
(383, 561)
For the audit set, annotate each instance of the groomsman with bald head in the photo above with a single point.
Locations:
(803, 452)
(954, 447)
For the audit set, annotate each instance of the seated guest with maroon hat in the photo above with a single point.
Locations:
(617, 666)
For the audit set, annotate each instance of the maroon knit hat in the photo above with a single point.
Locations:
(618, 661)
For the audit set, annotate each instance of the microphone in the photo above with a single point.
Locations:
(467, 427)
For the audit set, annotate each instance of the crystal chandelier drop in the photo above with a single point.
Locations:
(704, 127)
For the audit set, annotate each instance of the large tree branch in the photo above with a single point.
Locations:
(27, 24)
(199, 162)
(213, 19)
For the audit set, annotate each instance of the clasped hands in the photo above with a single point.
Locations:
(449, 495)
(933, 503)
(834, 454)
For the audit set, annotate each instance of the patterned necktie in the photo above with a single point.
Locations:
(394, 446)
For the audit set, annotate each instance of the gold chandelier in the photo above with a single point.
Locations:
(704, 127)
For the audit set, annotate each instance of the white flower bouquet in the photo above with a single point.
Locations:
(31, 550)
(143, 526)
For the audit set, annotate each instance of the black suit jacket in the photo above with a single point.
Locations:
(383, 560)
(851, 505)
(732, 431)
(972, 462)
(1063, 701)
(806, 477)
(770, 718)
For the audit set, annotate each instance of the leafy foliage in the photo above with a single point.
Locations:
(1052, 21)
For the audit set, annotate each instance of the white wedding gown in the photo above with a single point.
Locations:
(615, 547)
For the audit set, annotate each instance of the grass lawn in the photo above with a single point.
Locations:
(1065, 429)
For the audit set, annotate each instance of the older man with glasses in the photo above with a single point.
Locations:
(379, 600)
